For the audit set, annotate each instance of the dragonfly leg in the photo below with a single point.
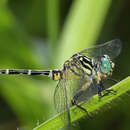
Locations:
(107, 90)
(75, 98)
(113, 80)
(99, 90)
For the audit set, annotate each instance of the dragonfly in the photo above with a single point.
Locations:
(81, 76)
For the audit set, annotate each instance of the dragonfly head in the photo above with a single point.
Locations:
(106, 66)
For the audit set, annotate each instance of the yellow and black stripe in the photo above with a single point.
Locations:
(87, 64)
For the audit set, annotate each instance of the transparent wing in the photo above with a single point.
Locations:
(62, 101)
(88, 88)
(66, 89)
(111, 48)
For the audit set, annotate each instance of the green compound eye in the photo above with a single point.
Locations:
(105, 65)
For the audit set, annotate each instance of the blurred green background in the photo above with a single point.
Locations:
(42, 34)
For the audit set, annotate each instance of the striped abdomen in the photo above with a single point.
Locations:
(27, 72)
(54, 74)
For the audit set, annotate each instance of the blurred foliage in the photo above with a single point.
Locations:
(42, 35)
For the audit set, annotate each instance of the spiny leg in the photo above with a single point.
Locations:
(113, 80)
(102, 88)
(99, 90)
(75, 98)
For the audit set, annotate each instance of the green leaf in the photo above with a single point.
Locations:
(95, 104)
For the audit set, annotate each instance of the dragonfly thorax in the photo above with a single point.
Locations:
(78, 67)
